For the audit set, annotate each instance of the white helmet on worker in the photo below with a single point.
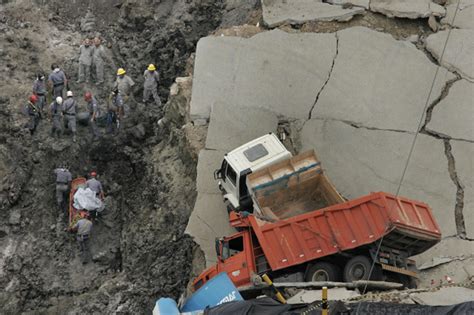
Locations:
(69, 94)
(59, 100)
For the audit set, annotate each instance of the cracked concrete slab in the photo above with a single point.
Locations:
(277, 12)
(208, 161)
(454, 115)
(459, 53)
(463, 153)
(208, 220)
(273, 70)
(464, 16)
(444, 296)
(411, 9)
(459, 250)
(378, 81)
(231, 126)
(360, 161)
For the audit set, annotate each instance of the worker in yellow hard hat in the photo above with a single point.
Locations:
(150, 86)
(124, 85)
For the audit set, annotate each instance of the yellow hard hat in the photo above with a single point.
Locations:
(121, 71)
(151, 67)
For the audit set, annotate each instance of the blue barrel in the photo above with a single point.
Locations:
(216, 291)
(166, 306)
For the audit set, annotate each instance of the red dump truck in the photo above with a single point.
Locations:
(338, 242)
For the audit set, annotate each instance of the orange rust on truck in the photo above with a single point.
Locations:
(272, 245)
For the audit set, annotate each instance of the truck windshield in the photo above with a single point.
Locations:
(231, 174)
(232, 247)
(256, 152)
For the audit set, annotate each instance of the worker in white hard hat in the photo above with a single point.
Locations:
(55, 110)
(69, 112)
(150, 86)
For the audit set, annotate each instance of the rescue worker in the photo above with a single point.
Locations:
(150, 86)
(55, 110)
(57, 80)
(39, 89)
(113, 108)
(34, 113)
(63, 183)
(98, 57)
(69, 113)
(85, 61)
(83, 228)
(94, 113)
(124, 84)
(95, 185)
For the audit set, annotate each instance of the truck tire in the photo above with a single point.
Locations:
(358, 268)
(323, 271)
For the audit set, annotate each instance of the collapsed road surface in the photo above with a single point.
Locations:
(348, 81)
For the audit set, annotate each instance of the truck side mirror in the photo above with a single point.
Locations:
(218, 174)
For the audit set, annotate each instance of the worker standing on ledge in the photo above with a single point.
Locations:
(85, 61)
(69, 112)
(94, 112)
(83, 228)
(63, 184)
(55, 114)
(150, 86)
(124, 85)
(57, 81)
(39, 89)
(95, 185)
(34, 113)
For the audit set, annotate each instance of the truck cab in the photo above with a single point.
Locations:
(242, 161)
(235, 257)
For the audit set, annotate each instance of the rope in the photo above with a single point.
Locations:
(413, 143)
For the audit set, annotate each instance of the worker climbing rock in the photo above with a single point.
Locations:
(98, 57)
(85, 61)
(39, 89)
(94, 113)
(95, 185)
(69, 112)
(124, 84)
(83, 228)
(57, 80)
(34, 113)
(150, 86)
(55, 110)
(63, 183)
(114, 105)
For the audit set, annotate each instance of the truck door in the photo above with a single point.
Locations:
(235, 260)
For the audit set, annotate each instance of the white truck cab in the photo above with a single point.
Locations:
(246, 159)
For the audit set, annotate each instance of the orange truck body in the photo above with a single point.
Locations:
(406, 227)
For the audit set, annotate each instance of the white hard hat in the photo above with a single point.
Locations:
(69, 93)
(59, 100)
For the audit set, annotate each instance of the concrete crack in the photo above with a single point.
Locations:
(327, 79)
(459, 206)
(442, 96)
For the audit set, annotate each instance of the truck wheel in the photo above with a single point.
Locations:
(358, 268)
(323, 271)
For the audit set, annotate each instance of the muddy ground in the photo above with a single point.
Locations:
(139, 248)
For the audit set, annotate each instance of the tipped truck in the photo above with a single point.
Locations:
(339, 242)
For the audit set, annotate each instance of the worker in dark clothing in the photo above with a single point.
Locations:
(39, 89)
(83, 228)
(63, 183)
(69, 113)
(57, 81)
(113, 107)
(95, 185)
(55, 111)
(34, 113)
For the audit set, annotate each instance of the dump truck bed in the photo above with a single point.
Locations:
(292, 187)
(404, 224)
